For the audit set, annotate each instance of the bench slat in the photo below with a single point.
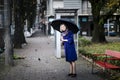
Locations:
(112, 58)
(113, 53)
(107, 65)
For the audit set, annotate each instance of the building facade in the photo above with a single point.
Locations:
(84, 12)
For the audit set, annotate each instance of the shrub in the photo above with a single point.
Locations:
(83, 41)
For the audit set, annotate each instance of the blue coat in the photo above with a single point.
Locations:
(69, 46)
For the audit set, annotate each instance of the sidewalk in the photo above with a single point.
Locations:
(48, 67)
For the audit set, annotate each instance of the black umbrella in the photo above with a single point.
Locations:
(71, 26)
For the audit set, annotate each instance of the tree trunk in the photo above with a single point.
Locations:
(19, 37)
(17, 34)
(8, 48)
(98, 33)
(2, 44)
(8, 40)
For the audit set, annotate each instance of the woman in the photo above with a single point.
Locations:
(69, 46)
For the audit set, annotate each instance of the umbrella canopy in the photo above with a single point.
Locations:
(71, 26)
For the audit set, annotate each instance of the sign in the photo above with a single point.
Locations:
(66, 10)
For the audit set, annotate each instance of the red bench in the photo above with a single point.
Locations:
(104, 62)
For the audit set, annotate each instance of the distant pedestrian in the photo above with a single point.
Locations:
(69, 46)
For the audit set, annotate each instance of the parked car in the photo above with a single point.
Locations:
(111, 33)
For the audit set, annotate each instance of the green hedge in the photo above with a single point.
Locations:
(87, 47)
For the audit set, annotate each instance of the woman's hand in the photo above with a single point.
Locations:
(63, 39)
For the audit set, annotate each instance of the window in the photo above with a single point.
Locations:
(84, 19)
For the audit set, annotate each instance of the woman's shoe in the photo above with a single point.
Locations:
(73, 75)
(70, 74)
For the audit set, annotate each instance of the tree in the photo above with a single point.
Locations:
(2, 44)
(1, 27)
(43, 8)
(8, 40)
(30, 12)
(19, 38)
(22, 11)
(100, 18)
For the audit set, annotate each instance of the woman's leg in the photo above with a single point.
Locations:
(71, 68)
(74, 67)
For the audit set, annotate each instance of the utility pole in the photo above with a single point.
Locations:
(7, 35)
(108, 26)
